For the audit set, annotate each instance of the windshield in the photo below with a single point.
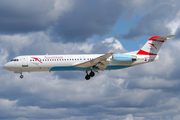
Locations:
(14, 60)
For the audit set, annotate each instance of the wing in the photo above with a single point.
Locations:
(99, 62)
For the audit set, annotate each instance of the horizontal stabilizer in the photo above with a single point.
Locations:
(164, 38)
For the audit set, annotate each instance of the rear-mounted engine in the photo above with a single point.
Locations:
(124, 58)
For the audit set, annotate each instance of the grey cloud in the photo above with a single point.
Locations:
(102, 94)
(25, 16)
(154, 21)
(75, 22)
(88, 18)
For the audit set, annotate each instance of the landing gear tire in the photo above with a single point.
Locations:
(91, 74)
(21, 76)
(87, 77)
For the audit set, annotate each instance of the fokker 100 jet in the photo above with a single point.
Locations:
(89, 63)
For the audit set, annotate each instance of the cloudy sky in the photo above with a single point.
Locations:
(36, 27)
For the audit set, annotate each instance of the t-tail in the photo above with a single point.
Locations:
(153, 45)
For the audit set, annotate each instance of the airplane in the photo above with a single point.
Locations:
(89, 63)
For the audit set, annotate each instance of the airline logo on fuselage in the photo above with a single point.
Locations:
(47, 57)
(53, 57)
(35, 58)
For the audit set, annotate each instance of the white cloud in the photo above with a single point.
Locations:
(6, 104)
(114, 42)
(176, 117)
(174, 24)
(3, 56)
(16, 42)
(60, 7)
(129, 117)
(40, 43)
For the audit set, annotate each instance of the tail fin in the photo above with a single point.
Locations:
(153, 45)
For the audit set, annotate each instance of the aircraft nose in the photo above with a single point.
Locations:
(6, 66)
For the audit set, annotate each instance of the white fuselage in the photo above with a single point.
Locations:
(67, 62)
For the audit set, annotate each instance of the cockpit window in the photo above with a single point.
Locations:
(15, 60)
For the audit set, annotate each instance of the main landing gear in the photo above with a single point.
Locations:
(88, 76)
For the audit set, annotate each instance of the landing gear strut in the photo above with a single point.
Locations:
(88, 76)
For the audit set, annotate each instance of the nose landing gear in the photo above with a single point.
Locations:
(21, 76)
(19, 72)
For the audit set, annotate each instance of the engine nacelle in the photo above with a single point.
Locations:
(124, 58)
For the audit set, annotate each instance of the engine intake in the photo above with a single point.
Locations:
(124, 58)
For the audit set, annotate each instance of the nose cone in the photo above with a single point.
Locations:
(6, 66)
